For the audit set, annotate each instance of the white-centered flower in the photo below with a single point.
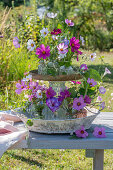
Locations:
(51, 15)
(31, 45)
(82, 40)
(44, 32)
(93, 56)
(39, 94)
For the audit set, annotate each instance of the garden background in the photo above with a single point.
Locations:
(22, 18)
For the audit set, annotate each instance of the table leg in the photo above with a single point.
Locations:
(98, 160)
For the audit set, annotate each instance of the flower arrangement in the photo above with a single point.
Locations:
(56, 49)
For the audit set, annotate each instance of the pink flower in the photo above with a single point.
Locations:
(83, 67)
(91, 82)
(56, 32)
(81, 133)
(78, 82)
(64, 94)
(74, 43)
(78, 103)
(50, 92)
(99, 132)
(16, 42)
(69, 22)
(20, 87)
(102, 90)
(87, 99)
(62, 48)
(43, 52)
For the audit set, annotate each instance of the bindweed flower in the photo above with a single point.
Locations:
(102, 90)
(81, 133)
(83, 67)
(91, 82)
(87, 99)
(69, 22)
(44, 32)
(31, 45)
(16, 42)
(106, 72)
(99, 132)
(56, 32)
(50, 92)
(93, 56)
(51, 15)
(43, 52)
(62, 48)
(78, 103)
(53, 103)
(99, 99)
(39, 94)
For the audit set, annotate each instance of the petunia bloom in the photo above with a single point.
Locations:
(53, 103)
(56, 32)
(69, 22)
(102, 90)
(87, 99)
(43, 52)
(91, 82)
(31, 45)
(81, 133)
(78, 103)
(99, 132)
(83, 67)
(50, 92)
(16, 42)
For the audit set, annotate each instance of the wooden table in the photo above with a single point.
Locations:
(94, 146)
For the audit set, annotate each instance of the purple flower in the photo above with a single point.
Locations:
(20, 87)
(50, 92)
(74, 43)
(43, 52)
(16, 42)
(81, 133)
(53, 103)
(56, 32)
(87, 99)
(106, 71)
(102, 90)
(99, 132)
(78, 103)
(91, 82)
(102, 105)
(62, 48)
(83, 67)
(99, 99)
(64, 94)
(69, 22)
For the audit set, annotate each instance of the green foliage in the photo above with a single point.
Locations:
(94, 74)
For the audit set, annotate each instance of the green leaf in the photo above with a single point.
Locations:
(94, 74)
(73, 92)
(29, 122)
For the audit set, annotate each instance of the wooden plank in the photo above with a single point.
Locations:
(98, 160)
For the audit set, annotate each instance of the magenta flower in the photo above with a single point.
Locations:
(69, 22)
(78, 82)
(102, 90)
(65, 94)
(99, 132)
(16, 42)
(87, 99)
(56, 32)
(20, 87)
(62, 48)
(78, 103)
(83, 67)
(91, 82)
(43, 52)
(50, 92)
(81, 133)
(53, 103)
(74, 43)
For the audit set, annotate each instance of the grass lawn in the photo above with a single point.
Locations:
(59, 159)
